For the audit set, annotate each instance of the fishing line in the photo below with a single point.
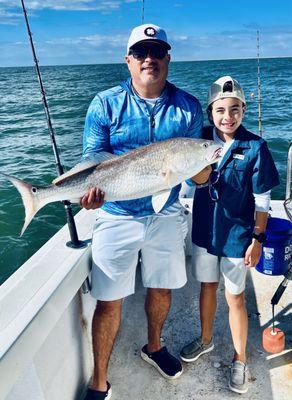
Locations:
(75, 242)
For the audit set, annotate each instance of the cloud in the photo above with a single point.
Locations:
(92, 41)
(242, 43)
(10, 10)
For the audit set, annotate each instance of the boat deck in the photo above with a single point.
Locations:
(270, 375)
(45, 343)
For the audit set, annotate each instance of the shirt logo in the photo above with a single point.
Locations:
(150, 31)
(238, 156)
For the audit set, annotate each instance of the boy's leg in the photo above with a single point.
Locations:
(105, 326)
(238, 324)
(206, 271)
(234, 272)
(208, 305)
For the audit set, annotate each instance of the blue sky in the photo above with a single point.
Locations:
(96, 31)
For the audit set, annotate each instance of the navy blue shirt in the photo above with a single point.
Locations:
(224, 227)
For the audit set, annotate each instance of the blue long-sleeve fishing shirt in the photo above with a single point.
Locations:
(118, 121)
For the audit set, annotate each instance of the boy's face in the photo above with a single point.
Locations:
(227, 115)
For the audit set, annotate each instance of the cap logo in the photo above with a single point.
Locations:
(150, 31)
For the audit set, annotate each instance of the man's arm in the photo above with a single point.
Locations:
(95, 139)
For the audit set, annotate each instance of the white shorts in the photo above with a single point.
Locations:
(208, 268)
(116, 243)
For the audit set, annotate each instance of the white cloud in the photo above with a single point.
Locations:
(11, 10)
(77, 5)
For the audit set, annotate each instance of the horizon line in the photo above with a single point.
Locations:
(123, 63)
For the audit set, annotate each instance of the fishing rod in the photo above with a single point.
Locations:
(75, 242)
(143, 9)
(259, 86)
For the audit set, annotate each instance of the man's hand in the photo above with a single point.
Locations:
(203, 176)
(253, 254)
(93, 199)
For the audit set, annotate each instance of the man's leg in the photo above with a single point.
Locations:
(105, 326)
(208, 305)
(238, 324)
(157, 306)
(163, 269)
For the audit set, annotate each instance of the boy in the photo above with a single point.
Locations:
(229, 220)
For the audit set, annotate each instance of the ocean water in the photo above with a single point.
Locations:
(26, 148)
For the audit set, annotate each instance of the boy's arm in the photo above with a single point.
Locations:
(254, 251)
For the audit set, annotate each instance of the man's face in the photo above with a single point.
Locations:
(148, 63)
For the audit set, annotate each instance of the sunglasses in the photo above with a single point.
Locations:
(141, 52)
(214, 178)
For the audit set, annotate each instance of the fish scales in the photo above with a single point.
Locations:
(149, 170)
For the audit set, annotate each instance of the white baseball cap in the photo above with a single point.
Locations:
(148, 32)
(225, 87)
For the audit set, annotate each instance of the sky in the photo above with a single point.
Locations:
(69, 32)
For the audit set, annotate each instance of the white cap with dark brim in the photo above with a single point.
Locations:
(148, 32)
(217, 90)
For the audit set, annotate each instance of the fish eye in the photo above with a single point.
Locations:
(205, 145)
(34, 189)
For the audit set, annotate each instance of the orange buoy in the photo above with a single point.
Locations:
(273, 340)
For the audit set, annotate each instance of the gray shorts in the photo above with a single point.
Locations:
(116, 243)
(208, 268)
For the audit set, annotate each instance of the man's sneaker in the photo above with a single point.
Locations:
(238, 378)
(192, 351)
(99, 395)
(169, 366)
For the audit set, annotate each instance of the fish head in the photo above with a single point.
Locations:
(193, 155)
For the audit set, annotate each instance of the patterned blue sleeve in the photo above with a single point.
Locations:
(96, 131)
(195, 129)
(265, 175)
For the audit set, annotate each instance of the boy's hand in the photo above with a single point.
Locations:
(203, 176)
(253, 254)
(93, 199)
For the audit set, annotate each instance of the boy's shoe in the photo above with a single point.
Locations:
(192, 351)
(238, 378)
(169, 366)
(99, 395)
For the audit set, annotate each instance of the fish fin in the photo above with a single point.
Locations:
(30, 200)
(85, 165)
(159, 200)
(168, 174)
(102, 156)
(81, 167)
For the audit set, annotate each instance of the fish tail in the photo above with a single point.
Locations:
(30, 200)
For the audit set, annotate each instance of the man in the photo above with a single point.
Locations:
(144, 109)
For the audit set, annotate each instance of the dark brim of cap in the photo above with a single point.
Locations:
(165, 44)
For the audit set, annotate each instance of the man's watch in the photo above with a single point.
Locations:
(261, 237)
